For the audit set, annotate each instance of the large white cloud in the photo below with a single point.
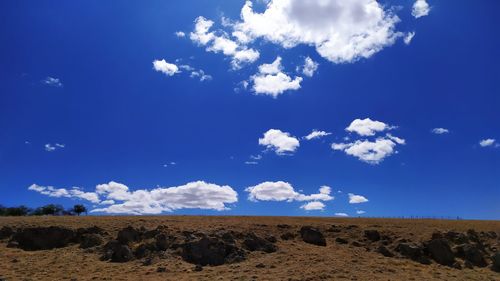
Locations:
(119, 199)
(168, 69)
(341, 31)
(284, 191)
(74, 192)
(420, 8)
(239, 53)
(356, 199)
(372, 152)
(280, 142)
(367, 127)
(270, 80)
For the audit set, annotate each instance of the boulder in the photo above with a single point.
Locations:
(90, 240)
(496, 262)
(471, 253)
(211, 251)
(128, 235)
(384, 251)
(117, 252)
(6, 232)
(144, 250)
(254, 243)
(43, 238)
(287, 236)
(456, 237)
(409, 250)
(473, 236)
(341, 240)
(372, 235)
(440, 251)
(163, 241)
(312, 235)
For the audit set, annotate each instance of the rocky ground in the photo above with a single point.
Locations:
(247, 248)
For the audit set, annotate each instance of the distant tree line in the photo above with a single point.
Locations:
(47, 210)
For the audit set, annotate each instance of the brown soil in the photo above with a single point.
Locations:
(294, 260)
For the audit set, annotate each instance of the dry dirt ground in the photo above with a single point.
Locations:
(293, 260)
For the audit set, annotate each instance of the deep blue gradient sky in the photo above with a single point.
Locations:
(121, 121)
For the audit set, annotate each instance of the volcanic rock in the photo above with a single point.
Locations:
(312, 235)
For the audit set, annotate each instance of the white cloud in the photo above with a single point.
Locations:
(54, 82)
(168, 69)
(280, 142)
(420, 8)
(309, 67)
(313, 206)
(360, 212)
(49, 147)
(201, 74)
(341, 31)
(372, 152)
(315, 134)
(251, 162)
(487, 142)
(440, 131)
(284, 191)
(356, 199)
(222, 44)
(341, 214)
(180, 34)
(74, 192)
(270, 80)
(408, 37)
(367, 127)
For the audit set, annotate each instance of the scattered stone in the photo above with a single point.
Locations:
(198, 267)
(312, 235)
(457, 265)
(283, 226)
(440, 251)
(43, 238)
(90, 240)
(254, 243)
(271, 239)
(161, 269)
(211, 251)
(128, 235)
(384, 251)
(260, 265)
(287, 236)
(6, 232)
(357, 244)
(372, 235)
(341, 240)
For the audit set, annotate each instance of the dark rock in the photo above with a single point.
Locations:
(437, 235)
(144, 250)
(260, 265)
(43, 238)
(457, 265)
(90, 240)
(384, 251)
(150, 234)
(116, 252)
(254, 243)
(161, 269)
(128, 235)
(496, 262)
(468, 264)
(271, 239)
(456, 237)
(440, 251)
(198, 267)
(372, 235)
(228, 237)
(163, 242)
(357, 244)
(341, 240)
(149, 261)
(473, 236)
(471, 253)
(409, 250)
(312, 235)
(283, 226)
(492, 234)
(211, 251)
(287, 236)
(12, 244)
(6, 232)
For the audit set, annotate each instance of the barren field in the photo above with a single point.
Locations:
(246, 248)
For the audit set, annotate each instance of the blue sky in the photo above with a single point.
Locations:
(82, 105)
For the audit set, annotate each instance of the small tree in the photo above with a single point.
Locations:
(78, 209)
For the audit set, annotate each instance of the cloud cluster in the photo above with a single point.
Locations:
(284, 191)
(119, 199)
(281, 142)
(170, 69)
(341, 31)
(221, 43)
(52, 81)
(420, 8)
(271, 80)
(366, 150)
(52, 147)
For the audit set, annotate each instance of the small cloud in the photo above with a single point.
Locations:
(180, 34)
(313, 206)
(168, 69)
(49, 147)
(420, 8)
(251, 162)
(281, 142)
(270, 80)
(408, 37)
(309, 67)
(360, 212)
(367, 127)
(201, 74)
(440, 131)
(315, 134)
(54, 82)
(341, 214)
(356, 199)
(487, 142)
